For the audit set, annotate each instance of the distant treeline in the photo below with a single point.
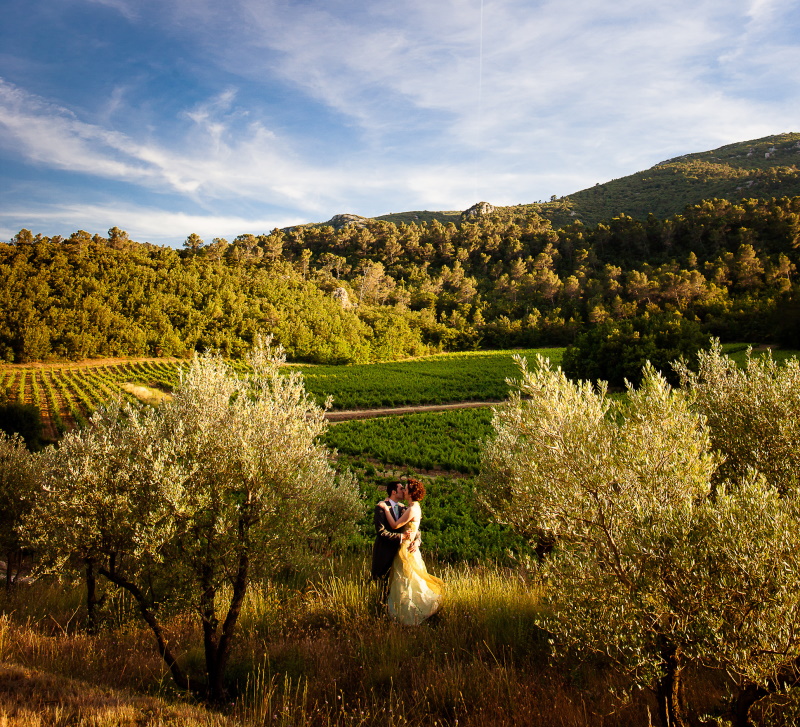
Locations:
(384, 291)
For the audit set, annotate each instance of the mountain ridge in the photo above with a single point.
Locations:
(760, 168)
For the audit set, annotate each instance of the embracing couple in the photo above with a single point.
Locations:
(411, 594)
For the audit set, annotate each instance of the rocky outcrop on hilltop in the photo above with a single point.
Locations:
(338, 222)
(479, 209)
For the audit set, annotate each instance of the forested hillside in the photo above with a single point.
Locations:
(385, 291)
(759, 168)
(763, 168)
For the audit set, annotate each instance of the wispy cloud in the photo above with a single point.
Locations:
(143, 224)
(214, 161)
(222, 158)
(570, 77)
(124, 8)
(301, 110)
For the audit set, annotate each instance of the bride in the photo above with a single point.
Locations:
(414, 594)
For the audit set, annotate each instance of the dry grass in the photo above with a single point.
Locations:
(30, 698)
(146, 394)
(315, 652)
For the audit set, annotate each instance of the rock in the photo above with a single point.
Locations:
(340, 296)
(477, 210)
(338, 222)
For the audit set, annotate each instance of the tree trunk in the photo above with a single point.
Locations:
(229, 626)
(92, 601)
(178, 676)
(669, 691)
(223, 648)
(746, 698)
(9, 568)
(210, 624)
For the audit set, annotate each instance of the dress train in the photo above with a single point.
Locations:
(414, 594)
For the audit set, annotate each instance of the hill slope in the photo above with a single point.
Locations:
(760, 168)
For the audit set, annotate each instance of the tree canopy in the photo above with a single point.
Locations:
(660, 558)
(382, 290)
(180, 505)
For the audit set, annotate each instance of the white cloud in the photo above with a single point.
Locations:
(572, 94)
(550, 72)
(217, 160)
(143, 224)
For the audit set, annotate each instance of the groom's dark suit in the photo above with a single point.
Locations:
(387, 541)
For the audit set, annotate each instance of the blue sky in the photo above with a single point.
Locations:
(176, 116)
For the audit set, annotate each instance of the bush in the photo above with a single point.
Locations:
(787, 324)
(22, 419)
(653, 567)
(616, 351)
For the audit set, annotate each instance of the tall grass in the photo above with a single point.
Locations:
(318, 649)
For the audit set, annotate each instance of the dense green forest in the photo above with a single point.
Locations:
(382, 291)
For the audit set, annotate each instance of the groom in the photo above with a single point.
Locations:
(387, 540)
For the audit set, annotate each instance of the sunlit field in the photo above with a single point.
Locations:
(313, 645)
(67, 395)
(316, 649)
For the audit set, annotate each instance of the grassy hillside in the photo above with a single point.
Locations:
(760, 168)
(765, 167)
(420, 216)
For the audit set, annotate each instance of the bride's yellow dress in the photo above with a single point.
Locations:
(414, 594)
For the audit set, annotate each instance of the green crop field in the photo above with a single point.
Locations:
(67, 395)
(448, 440)
(473, 376)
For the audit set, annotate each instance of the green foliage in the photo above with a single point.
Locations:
(616, 351)
(383, 291)
(22, 419)
(432, 380)
(18, 485)
(184, 502)
(143, 300)
(753, 414)
(733, 172)
(456, 527)
(417, 217)
(74, 393)
(787, 324)
(653, 567)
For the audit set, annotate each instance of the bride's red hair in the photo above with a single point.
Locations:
(415, 489)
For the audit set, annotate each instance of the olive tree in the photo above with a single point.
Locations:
(184, 503)
(18, 480)
(753, 413)
(648, 568)
(753, 417)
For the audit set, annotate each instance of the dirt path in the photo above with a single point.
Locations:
(345, 415)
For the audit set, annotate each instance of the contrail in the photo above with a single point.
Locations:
(480, 108)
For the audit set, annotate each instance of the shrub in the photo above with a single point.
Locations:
(616, 351)
(22, 419)
(653, 567)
